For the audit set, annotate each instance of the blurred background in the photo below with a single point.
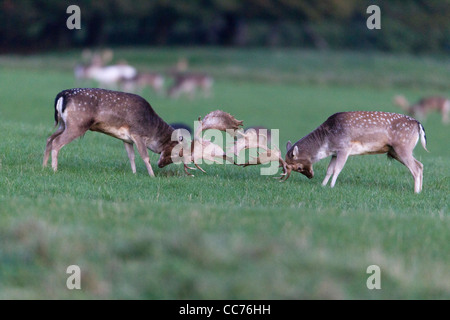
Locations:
(414, 26)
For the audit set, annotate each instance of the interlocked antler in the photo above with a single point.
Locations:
(248, 140)
(204, 148)
(251, 139)
(254, 139)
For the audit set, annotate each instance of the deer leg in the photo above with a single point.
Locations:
(48, 147)
(415, 167)
(130, 152)
(341, 159)
(61, 140)
(419, 165)
(445, 112)
(329, 170)
(142, 149)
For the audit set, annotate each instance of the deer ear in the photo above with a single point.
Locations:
(288, 145)
(295, 152)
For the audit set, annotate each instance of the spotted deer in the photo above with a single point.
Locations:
(189, 83)
(142, 80)
(107, 76)
(357, 133)
(130, 118)
(125, 116)
(424, 106)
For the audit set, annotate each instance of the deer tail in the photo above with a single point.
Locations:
(423, 137)
(60, 106)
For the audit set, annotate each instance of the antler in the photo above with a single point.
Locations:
(204, 148)
(270, 155)
(219, 120)
(249, 140)
(286, 170)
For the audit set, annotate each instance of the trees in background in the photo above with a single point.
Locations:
(412, 26)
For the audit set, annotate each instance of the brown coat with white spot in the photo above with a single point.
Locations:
(125, 116)
(358, 133)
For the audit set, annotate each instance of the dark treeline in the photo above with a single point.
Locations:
(409, 26)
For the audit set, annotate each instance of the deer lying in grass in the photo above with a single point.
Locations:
(424, 106)
(130, 118)
(357, 133)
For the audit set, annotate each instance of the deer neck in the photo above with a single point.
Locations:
(314, 146)
(161, 139)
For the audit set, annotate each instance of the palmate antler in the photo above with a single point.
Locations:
(204, 149)
(219, 120)
(248, 140)
(254, 139)
(251, 139)
(268, 156)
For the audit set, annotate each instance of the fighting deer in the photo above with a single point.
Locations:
(189, 83)
(130, 118)
(357, 133)
(204, 149)
(125, 116)
(424, 106)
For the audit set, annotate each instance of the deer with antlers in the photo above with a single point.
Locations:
(130, 118)
(424, 106)
(357, 133)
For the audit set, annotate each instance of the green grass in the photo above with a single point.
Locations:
(230, 233)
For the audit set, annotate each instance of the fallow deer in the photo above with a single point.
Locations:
(190, 83)
(357, 133)
(125, 116)
(152, 80)
(130, 118)
(424, 106)
(108, 76)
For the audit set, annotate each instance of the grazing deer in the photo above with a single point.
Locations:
(421, 108)
(142, 80)
(125, 116)
(189, 83)
(109, 76)
(357, 133)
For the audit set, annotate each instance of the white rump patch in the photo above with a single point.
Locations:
(59, 105)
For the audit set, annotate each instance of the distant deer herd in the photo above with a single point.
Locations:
(130, 118)
(124, 77)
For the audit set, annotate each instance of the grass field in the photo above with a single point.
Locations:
(230, 233)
